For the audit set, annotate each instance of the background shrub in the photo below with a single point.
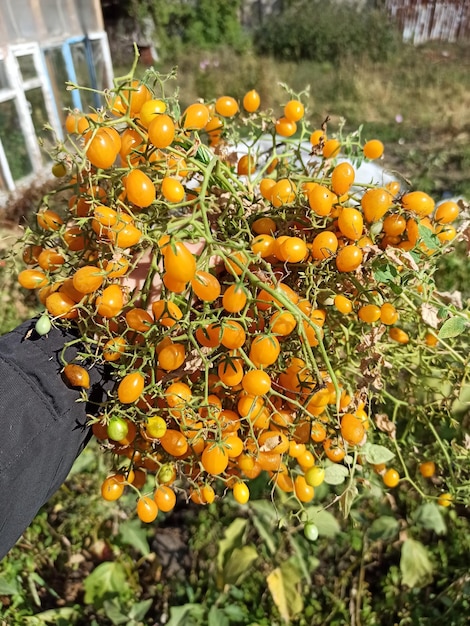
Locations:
(325, 30)
(201, 25)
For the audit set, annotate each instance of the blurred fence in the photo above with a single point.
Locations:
(428, 20)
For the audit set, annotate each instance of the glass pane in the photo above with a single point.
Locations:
(7, 27)
(99, 63)
(89, 19)
(58, 77)
(53, 17)
(13, 141)
(4, 83)
(37, 107)
(27, 67)
(22, 17)
(83, 76)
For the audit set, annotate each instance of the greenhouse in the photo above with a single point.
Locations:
(43, 45)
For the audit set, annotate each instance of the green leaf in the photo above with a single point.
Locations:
(266, 533)
(306, 563)
(429, 516)
(237, 566)
(283, 586)
(64, 615)
(186, 615)
(140, 609)
(114, 613)
(33, 590)
(134, 534)
(336, 474)
(325, 521)
(426, 235)
(376, 454)
(452, 327)
(384, 527)
(232, 539)
(8, 588)
(106, 580)
(234, 613)
(385, 273)
(217, 617)
(265, 510)
(415, 565)
(463, 401)
(347, 499)
(85, 462)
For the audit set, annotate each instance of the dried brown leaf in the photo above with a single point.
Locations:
(195, 362)
(466, 441)
(371, 372)
(464, 228)
(371, 338)
(226, 153)
(429, 315)
(385, 424)
(270, 443)
(451, 297)
(401, 257)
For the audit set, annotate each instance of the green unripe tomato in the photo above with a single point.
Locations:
(117, 428)
(166, 474)
(311, 531)
(43, 325)
(59, 169)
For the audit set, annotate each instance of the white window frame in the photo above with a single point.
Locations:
(17, 91)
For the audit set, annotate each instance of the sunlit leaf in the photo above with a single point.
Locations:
(415, 565)
(266, 533)
(114, 612)
(453, 327)
(231, 539)
(429, 516)
(283, 585)
(385, 273)
(140, 609)
(8, 587)
(238, 564)
(384, 527)
(217, 617)
(325, 521)
(107, 579)
(376, 454)
(426, 235)
(185, 615)
(347, 499)
(336, 474)
(61, 616)
(132, 533)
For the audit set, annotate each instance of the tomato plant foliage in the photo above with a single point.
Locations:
(280, 319)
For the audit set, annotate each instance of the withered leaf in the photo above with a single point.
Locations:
(401, 257)
(371, 338)
(385, 424)
(270, 443)
(451, 297)
(429, 315)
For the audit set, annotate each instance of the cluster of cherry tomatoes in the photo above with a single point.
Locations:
(238, 291)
